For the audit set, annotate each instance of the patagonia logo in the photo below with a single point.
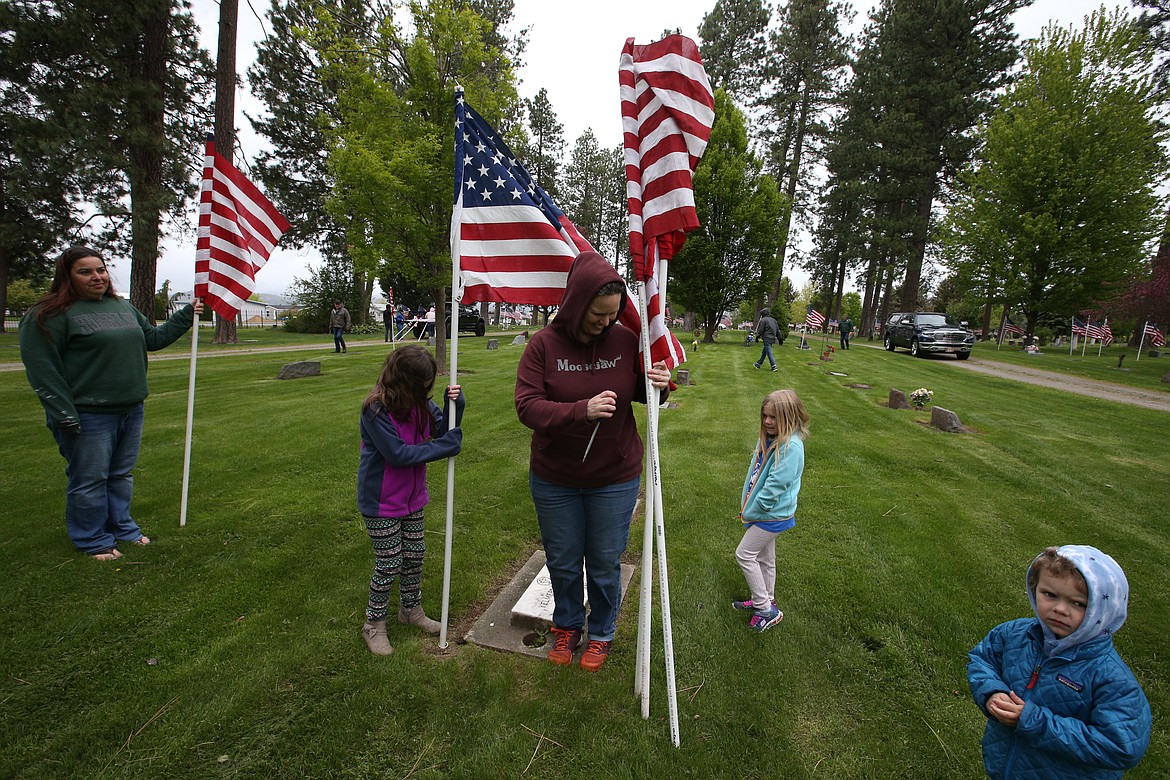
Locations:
(1076, 686)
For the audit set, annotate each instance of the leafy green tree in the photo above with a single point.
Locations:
(391, 154)
(731, 255)
(1040, 212)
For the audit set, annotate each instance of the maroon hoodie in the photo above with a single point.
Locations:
(557, 376)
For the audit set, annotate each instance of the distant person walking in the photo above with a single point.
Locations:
(402, 430)
(846, 329)
(768, 501)
(388, 321)
(767, 333)
(339, 323)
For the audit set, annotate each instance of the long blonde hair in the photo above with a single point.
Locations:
(791, 420)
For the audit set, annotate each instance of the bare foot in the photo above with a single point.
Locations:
(109, 554)
(142, 540)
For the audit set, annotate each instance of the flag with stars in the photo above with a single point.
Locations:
(512, 243)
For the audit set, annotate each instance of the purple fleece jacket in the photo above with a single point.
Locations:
(557, 376)
(392, 469)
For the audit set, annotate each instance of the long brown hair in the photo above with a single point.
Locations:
(61, 294)
(407, 378)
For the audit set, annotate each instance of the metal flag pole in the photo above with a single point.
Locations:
(190, 420)
(1142, 340)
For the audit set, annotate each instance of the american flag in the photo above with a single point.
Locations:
(1094, 331)
(238, 229)
(1079, 328)
(814, 319)
(1156, 337)
(1011, 327)
(512, 243)
(668, 109)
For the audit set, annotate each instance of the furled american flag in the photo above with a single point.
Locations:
(1106, 333)
(668, 109)
(1011, 327)
(1156, 337)
(512, 243)
(238, 229)
(814, 319)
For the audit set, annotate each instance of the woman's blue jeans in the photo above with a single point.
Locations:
(98, 465)
(590, 525)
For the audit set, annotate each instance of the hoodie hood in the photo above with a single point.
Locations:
(588, 274)
(1108, 598)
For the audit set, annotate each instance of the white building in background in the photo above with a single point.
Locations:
(268, 312)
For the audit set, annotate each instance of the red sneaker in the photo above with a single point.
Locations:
(565, 641)
(595, 655)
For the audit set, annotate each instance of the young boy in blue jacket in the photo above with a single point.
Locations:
(1060, 702)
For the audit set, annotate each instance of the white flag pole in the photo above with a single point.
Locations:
(456, 295)
(1101, 341)
(190, 419)
(1072, 336)
(654, 488)
(1142, 340)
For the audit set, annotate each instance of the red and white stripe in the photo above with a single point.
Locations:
(513, 254)
(668, 109)
(238, 229)
(1156, 337)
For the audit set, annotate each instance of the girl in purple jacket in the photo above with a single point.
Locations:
(402, 430)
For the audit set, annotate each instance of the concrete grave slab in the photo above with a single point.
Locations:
(495, 628)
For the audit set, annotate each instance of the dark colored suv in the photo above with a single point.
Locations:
(469, 321)
(927, 331)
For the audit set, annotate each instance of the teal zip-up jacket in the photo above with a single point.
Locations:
(92, 357)
(774, 495)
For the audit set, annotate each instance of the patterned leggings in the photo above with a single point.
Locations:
(398, 553)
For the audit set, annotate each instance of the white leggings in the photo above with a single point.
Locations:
(756, 555)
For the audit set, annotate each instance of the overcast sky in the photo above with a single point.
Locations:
(573, 52)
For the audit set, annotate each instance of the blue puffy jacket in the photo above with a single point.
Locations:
(1085, 714)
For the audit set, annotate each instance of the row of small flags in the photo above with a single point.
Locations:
(1092, 330)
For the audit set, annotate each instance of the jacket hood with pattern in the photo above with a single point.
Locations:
(1108, 598)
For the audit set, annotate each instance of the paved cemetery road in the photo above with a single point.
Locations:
(1150, 399)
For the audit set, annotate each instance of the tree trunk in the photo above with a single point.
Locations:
(225, 121)
(793, 176)
(918, 248)
(145, 147)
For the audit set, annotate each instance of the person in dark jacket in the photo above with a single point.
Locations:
(767, 333)
(575, 387)
(339, 323)
(1059, 701)
(401, 431)
(84, 350)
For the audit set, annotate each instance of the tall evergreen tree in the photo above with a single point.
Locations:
(805, 66)
(594, 195)
(734, 44)
(546, 144)
(131, 107)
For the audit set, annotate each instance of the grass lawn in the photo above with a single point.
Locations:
(231, 647)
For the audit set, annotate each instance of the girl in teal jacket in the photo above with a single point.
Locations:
(768, 501)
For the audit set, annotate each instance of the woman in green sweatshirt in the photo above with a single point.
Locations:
(84, 351)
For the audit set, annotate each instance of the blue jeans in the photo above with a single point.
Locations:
(766, 352)
(590, 525)
(338, 339)
(98, 465)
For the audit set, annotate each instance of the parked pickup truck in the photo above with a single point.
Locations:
(922, 332)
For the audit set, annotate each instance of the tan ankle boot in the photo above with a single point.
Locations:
(375, 636)
(416, 617)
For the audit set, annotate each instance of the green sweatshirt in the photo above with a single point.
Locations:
(92, 357)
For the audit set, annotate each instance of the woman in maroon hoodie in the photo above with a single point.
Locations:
(575, 386)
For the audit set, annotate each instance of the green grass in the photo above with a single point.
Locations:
(230, 648)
